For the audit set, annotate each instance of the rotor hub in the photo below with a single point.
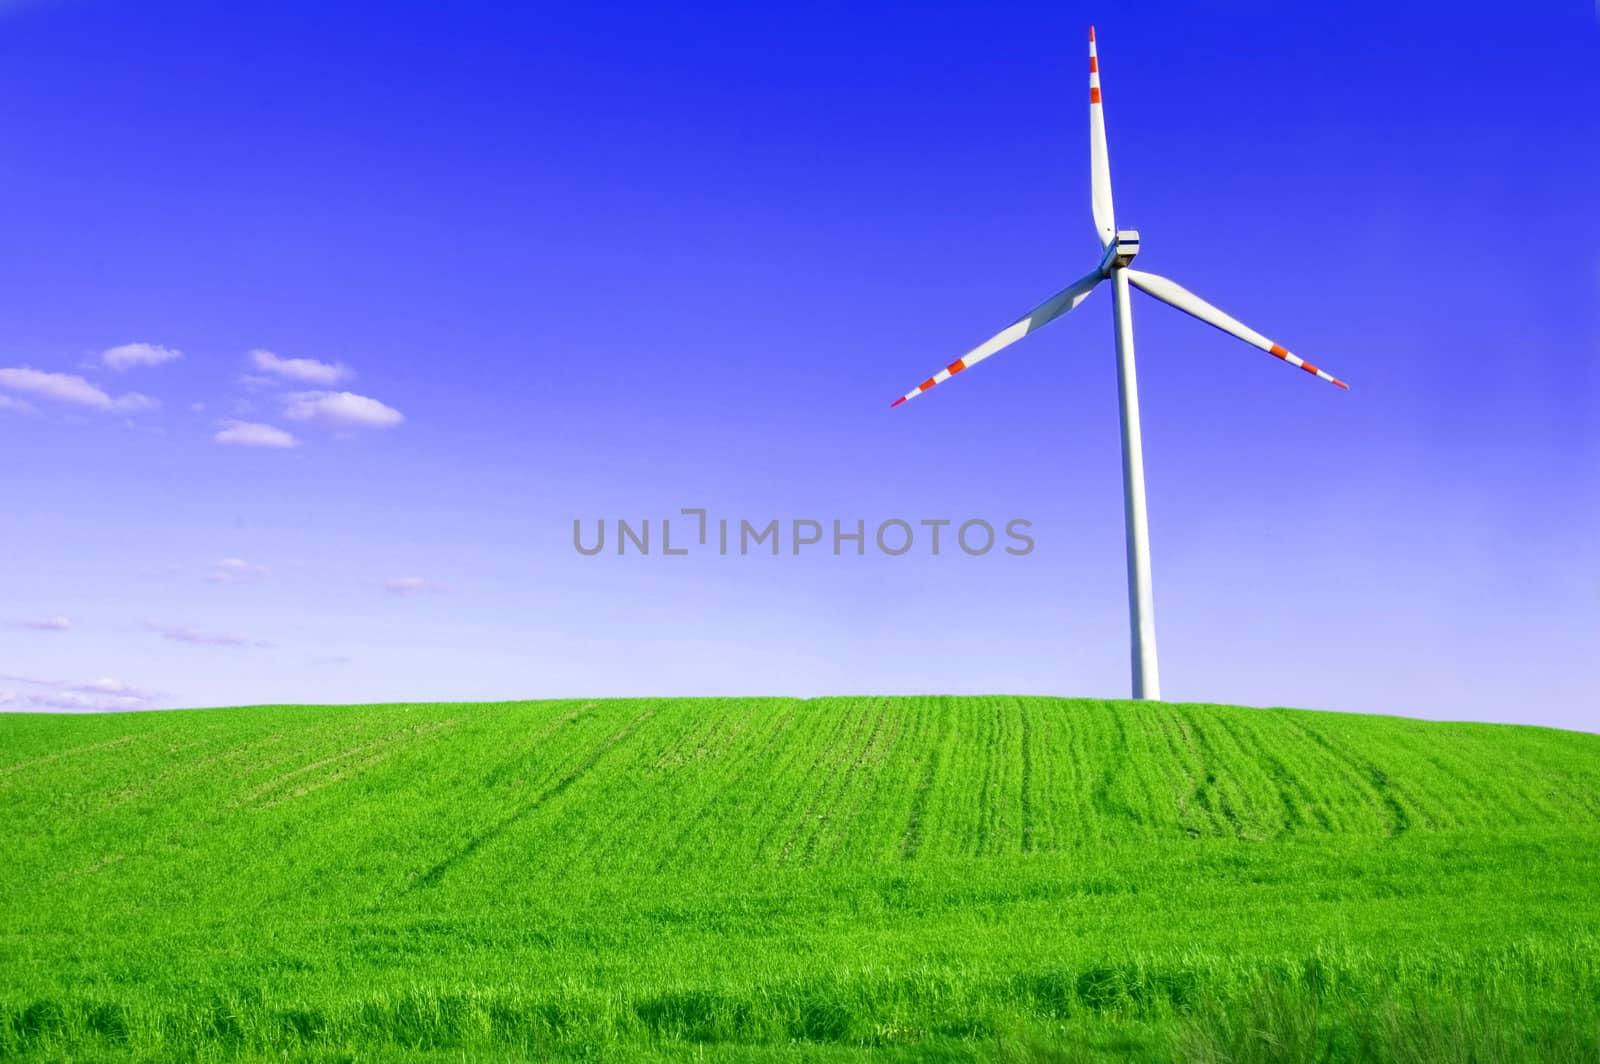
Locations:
(1122, 250)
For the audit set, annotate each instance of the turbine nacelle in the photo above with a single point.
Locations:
(1120, 251)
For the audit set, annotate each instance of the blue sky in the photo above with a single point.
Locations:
(517, 268)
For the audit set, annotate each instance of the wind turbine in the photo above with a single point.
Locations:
(1120, 246)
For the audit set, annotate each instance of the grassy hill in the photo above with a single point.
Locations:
(897, 878)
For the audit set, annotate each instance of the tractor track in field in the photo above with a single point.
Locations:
(1026, 756)
(712, 805)
(857, 783)
(797, 793)
(478, 841)
(7, 771)
(911, 839)
(1387, 794)
(273, 792)
(843, 765)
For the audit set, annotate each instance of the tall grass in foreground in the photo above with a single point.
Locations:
(1265, 1019)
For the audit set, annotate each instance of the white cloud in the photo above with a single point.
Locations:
(98, 696)
(21, 407)
(60, 386)
(181, 634)
(197, 407)
(340, 408)
(254, 434)
(413, 585)
(305, 370)
(108, 686)
(235, 571)
(67, 388)
(14, 700)
(126, 356)
(47, 624)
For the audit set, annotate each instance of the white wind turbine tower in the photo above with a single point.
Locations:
(1120, 248)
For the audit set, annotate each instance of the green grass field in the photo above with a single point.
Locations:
(768, 879)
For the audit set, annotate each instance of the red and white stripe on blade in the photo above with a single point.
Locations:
(1174, 294)
(1099, 162)
(1037, 318)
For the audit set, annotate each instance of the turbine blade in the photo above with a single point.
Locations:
(1037, 318)
(1099, 162)
(1174, 294)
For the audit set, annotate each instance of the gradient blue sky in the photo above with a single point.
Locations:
(610, 261)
